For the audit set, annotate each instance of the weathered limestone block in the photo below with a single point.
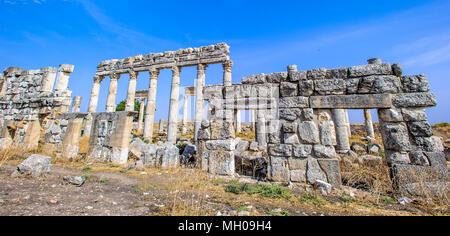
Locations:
(219, 162)
(308, 132)
(365, 101)
(418, 158)
(291, 138)
(390, 115)
(273, 129)
(222, 130)
(327, 133)
(297, 76)
(316, 74)
(414, 114)
(330, 87)
(168, 155)
(254, 79)
(298, 169)
(379, 84)
(322, 151)
(414, 100)
(276, 77)
(302, 150)
(415, 83)
(395, 136)
(298, 176)
(339, 73)
(420, 128)
(221, 145)
(289, 127)
(429, 144)
(34, 165)
(241, 145)
(314, 171)
(290, 114)
(397, 157)
(307, 114)
(213, 92)
(397, 69)
(352, 85)
(306, 87)
(279, 169)
(32, 135)
(288, 89)
(293, 102)
(370, 69)
(280, 150)
(332, 171)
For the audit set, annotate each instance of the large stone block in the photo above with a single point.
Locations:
(308, 132)
(314, 171)
(222, 130)
(371, 69)
(390, 115)
(279, 169)
(254, 79)
(420, 128)
(293, 102)
(366, 101)
(327, 133)
(280, 150)
(306, 87)
(297, 76)
(330, 87)
(332, 171)
(288, 89)
(414, 114)
(302, 150)
(276, 77)
(321, 151)
(415, 83)
(339, 73)
(316, 74)
(395, 136)
(379, 84)
(414, 100)
(290, 114)
(221, 145)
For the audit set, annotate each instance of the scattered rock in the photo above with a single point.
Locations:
(52, 201)
(75, 180)
(323, 187)
(253, 146)
(34, 165)
(404, 200)
(358, 147)
(373, 148)
(370, 160)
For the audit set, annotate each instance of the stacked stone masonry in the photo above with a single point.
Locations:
(299, 111)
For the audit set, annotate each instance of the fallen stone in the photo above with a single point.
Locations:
(404, 200)
(34, 165)
(322, 186)
(370, 160)
(75, 180)
(358, 147)
(373, 148)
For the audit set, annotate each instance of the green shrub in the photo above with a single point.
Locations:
(264, 190)
(313, 198)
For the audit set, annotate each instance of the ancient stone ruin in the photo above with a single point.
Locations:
(300, 117)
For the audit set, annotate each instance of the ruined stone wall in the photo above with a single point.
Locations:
(298, 110)
(110, 136)
(27, 97)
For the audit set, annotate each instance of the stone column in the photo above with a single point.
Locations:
(161, 126)
(238, 121)
(260, 133)
(252, 119)
(93, 102)
(76, 104)
(199, 103)
(173, 106)
(369, 124)
(49, 79)
(185, 112)
(341, 130)
(71, 138)
(63, 77)
(227, 80)
(111, 101)
(347, 120)
(151, 101)
(131, 91)
(141, 116)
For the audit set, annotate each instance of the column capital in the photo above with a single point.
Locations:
(114, 76)
(133, 74)
(176, 69)
(201, 67)
(98, 79)
(154, 73)
(227, 65)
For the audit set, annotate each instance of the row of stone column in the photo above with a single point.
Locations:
(151, 98)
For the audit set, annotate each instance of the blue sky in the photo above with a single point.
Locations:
(264, 36)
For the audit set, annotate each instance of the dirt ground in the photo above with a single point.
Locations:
(113, 190)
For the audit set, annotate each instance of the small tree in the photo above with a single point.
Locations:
(122, 104)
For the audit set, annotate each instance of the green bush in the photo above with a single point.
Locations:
(264, 190)
(313, 198)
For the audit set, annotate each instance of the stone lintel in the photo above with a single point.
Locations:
(366, 101)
